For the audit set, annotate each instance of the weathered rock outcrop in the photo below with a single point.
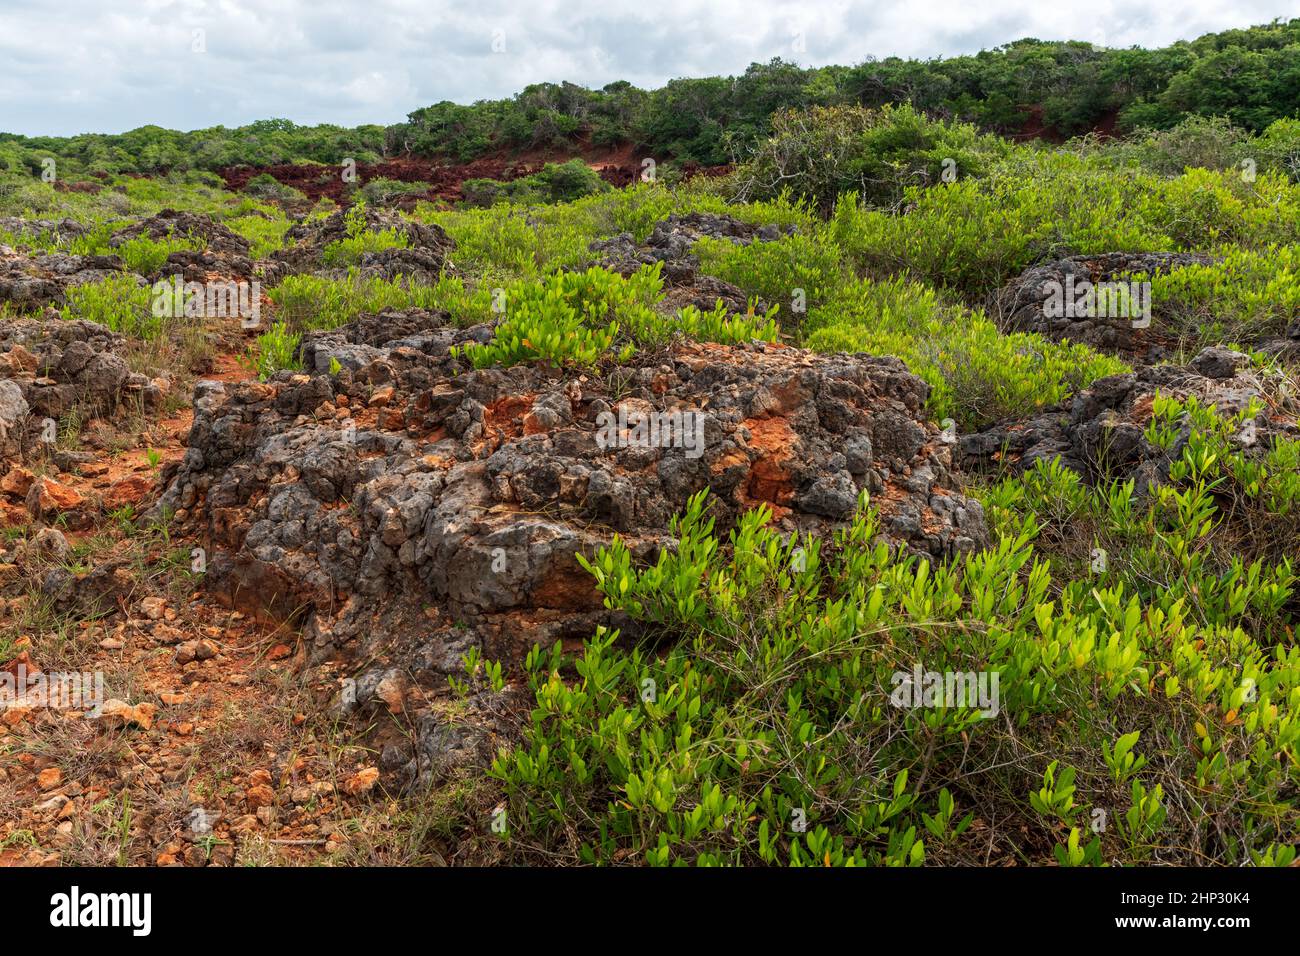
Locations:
(1100, 431)
(42, 228)
(409, 508)
(33, 282)
(173, 224)
(424, 256)
(223, 252)
(1025, 303)
(50, 366)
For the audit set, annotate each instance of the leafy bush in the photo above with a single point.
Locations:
(1197, 141)
(265, 186)
(315, 302)
(274, 349)
(576, 318)
(1245, 296)
(794, 273)
(556, 182)
(826, 152)
(503, 243)
(146, 256)
(567, 318)
(1279, 145)
(972, 236)
(767, 731)
(652, 329)
(117, 302)
(265, 233)
(977, 375)
(379, 191)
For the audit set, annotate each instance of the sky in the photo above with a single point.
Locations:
(111, 65)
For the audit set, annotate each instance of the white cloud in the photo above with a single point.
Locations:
(95, 67)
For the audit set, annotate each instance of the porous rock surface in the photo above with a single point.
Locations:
(1021, 303)
(1099, 432)
(408, 507)
(423, 258)
(45, 228)
(223, 252)
(33, 282)
(51, 366)
(174, 224)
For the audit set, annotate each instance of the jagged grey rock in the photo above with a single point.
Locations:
(1100, 432)
(409, 505)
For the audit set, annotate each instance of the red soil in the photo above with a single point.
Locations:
(618, 166)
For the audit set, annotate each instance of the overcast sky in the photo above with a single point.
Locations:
(111, 65)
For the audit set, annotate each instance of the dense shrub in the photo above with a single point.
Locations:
(767, 731)
(556, 182)
(314, 302)
(273, 350)
(360, 239)
(380, 191)
(265, 233)
(977, 375)
(580, 318)
(265, 186)
(874, 154)
(972, 236)
(118, 302)
(1245, 296)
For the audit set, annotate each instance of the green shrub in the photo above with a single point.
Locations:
(555, 183)
(972, 236)
(264, 233)
(1245, 296)
(795, 273)
(874, 154)
(315, 302)
(578, 318)
(117, 302)
(265, 186)
(146, 256)
(1197, 141)
(379, 191)
(759, 720)
(1279, 146)
(650, 328)
(566, 318)
(274, 349)
(977, 375)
